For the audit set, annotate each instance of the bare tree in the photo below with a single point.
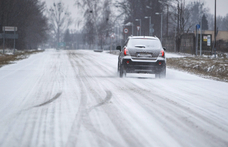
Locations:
(225, 22)
(196, 9)
(59, 19)
(184, 17)
(97, 14)
(138, 9)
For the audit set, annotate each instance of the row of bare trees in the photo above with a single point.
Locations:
(28, 16)
(179, 17)
(97, 20)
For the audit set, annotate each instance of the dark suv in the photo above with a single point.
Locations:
(142, 54)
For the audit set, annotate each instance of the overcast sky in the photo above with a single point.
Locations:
(222, 5)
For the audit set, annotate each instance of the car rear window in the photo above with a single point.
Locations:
(144, 43)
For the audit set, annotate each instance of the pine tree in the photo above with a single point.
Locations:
(204, 23)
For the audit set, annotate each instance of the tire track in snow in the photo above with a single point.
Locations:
(165, 104)
(112, 112)
(51, 100)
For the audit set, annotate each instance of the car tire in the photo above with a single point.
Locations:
(121, 71)
(118, 67)
(157, 75)
(163, 73)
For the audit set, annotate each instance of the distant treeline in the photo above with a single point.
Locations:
(27, 16)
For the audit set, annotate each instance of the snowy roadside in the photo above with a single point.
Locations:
(9, 57)
(207, 67)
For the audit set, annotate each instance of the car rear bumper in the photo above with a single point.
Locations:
(144, 66)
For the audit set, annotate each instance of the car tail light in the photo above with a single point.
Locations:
(126, 51)
(162, 53)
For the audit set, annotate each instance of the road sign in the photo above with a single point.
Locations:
(61, 44)
(126, 30)
(198, 26)
(113, 36)
(208, 40)
(9, 29)
(138, 28)
(9, 36)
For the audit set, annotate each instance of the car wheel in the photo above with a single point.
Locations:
(157, 75)
(121, 71)
(118, 67)
(163, 73)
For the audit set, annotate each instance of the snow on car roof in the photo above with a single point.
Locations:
(143, 37)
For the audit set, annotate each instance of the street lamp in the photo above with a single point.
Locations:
(140, 24)
(167, 19)
(161, 22)
(149, 22)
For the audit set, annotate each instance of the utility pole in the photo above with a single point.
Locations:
(167, 31)
(215, 32)
(161, 26)
(161, 22)
(197, 26)
(201, 27)
(140, 24)
(132, 28)
(178, 25)
(149, 17)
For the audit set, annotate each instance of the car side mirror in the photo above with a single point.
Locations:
(164, 48)
(118, 48)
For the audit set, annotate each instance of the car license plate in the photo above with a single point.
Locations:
(144, 55)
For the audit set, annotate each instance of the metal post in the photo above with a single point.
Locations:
(175, 40)
(215, 31)
(124, 34)
(196, 40)
(58, 36)
(14, 42)
(149, 24)
(201, 38)
(161, 26)
(132, 29)
(3, 41)
(167, 20)
(178, 18)
(140, 27)
(201, 27)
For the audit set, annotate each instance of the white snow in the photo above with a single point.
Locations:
(75, 98)
(175, 55)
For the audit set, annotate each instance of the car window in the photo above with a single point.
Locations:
(144, 43)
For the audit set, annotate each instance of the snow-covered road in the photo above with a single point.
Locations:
(75, 98)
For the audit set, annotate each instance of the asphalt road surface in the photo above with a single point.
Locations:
(76, 99)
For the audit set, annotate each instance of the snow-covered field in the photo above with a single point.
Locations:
(75, 98)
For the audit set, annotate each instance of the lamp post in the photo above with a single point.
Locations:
(140, 24)
(161, 22)
(132, 29)
(149, 22)
(167, 18)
